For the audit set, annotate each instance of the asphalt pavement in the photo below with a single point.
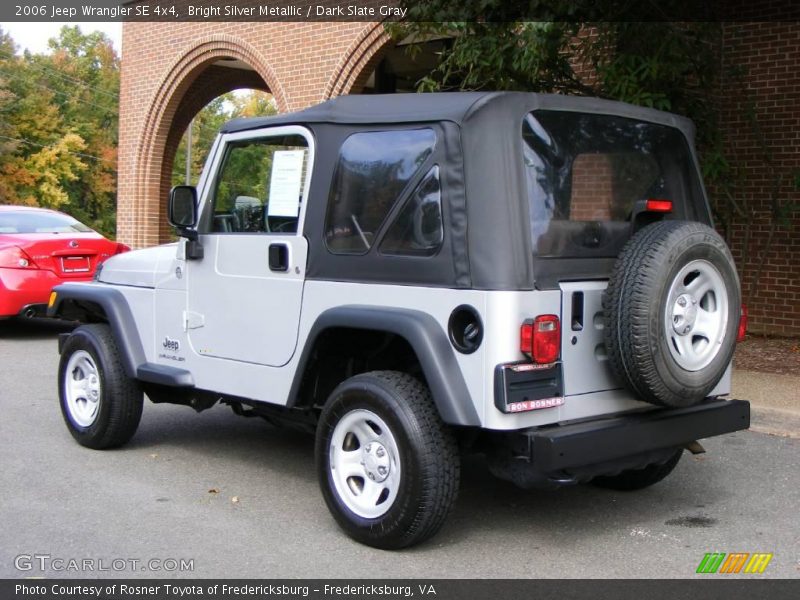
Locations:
(234, 497)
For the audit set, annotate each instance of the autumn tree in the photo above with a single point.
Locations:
(58, 126)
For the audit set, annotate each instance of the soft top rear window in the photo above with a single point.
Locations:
(585, 172)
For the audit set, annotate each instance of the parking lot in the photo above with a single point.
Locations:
(234, 497)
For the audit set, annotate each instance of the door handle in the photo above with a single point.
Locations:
(279, 257)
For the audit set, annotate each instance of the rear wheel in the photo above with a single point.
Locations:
(387, 465)
(100, 404)
(637, 479)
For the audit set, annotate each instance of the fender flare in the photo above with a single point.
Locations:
(425, 336)
(123, 326)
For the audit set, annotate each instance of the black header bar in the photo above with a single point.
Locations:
(398, 10)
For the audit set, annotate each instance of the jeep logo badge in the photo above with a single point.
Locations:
(173, 345)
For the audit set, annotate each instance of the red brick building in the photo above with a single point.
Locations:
(171, 70)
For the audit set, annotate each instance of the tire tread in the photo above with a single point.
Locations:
(637, 273)
(121, 394)
(436, 453)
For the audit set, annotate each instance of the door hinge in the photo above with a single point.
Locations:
(193, 320)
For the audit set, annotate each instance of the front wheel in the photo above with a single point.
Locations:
(101, 405)
(387, 465)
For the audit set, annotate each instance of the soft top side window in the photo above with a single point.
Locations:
(418, 229)
(373, 170)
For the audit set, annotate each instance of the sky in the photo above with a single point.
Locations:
(34, 36)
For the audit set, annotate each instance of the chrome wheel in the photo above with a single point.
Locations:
(365, 463)
(696, 315)
(82, 388)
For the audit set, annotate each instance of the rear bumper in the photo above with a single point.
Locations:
(20, 288)
(606, 440)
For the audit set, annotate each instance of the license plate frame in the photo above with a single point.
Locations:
(75, 264)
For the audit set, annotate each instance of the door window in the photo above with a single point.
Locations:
(260, 186)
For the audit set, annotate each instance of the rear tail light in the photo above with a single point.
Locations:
(541, 339)
(658, 205)
(122, 248)
(742, 324)
(16, 258)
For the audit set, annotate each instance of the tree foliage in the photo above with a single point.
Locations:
(58, 126)
(658, 64)
(206, 125)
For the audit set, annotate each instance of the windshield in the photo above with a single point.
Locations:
(29, 221)
(585, 172)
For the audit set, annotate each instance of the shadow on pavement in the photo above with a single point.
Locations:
(33, 328)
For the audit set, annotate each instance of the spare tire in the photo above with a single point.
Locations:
(671, 313)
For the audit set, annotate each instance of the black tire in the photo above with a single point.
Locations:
(657, 363)
(119, 398)
(637, 479)
(424, 448)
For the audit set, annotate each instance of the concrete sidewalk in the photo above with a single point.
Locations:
(774, 401)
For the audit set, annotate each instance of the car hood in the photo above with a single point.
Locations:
(140, 268)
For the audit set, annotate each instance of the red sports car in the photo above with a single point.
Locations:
(40, 249)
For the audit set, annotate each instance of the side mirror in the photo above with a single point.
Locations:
(182, 207)
(182, 214)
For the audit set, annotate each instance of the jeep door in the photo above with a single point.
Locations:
(245, 293)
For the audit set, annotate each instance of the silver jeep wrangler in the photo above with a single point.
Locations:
(412, 277)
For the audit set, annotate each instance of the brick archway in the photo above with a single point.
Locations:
(358, 62)
(187, 86)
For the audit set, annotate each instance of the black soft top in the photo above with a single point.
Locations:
(483, 174)
(457, 107)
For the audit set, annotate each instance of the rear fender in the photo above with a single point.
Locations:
(425, 336)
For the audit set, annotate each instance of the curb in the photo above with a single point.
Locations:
(774, 421)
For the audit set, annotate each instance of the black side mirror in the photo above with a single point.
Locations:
(182, 207)
(182, 214)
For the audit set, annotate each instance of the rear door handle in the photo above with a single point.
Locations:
(279, 257)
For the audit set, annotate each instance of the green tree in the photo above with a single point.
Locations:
(59, 126)
(664, 65)
(91, 65)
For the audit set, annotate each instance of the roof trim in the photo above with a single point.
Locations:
(458, 107)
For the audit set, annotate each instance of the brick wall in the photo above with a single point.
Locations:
(592, 188)
(767, 156)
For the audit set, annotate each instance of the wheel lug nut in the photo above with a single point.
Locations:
(379, 452)
(367, 448)
(371, 476)
(681, 301)
(382, 470)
